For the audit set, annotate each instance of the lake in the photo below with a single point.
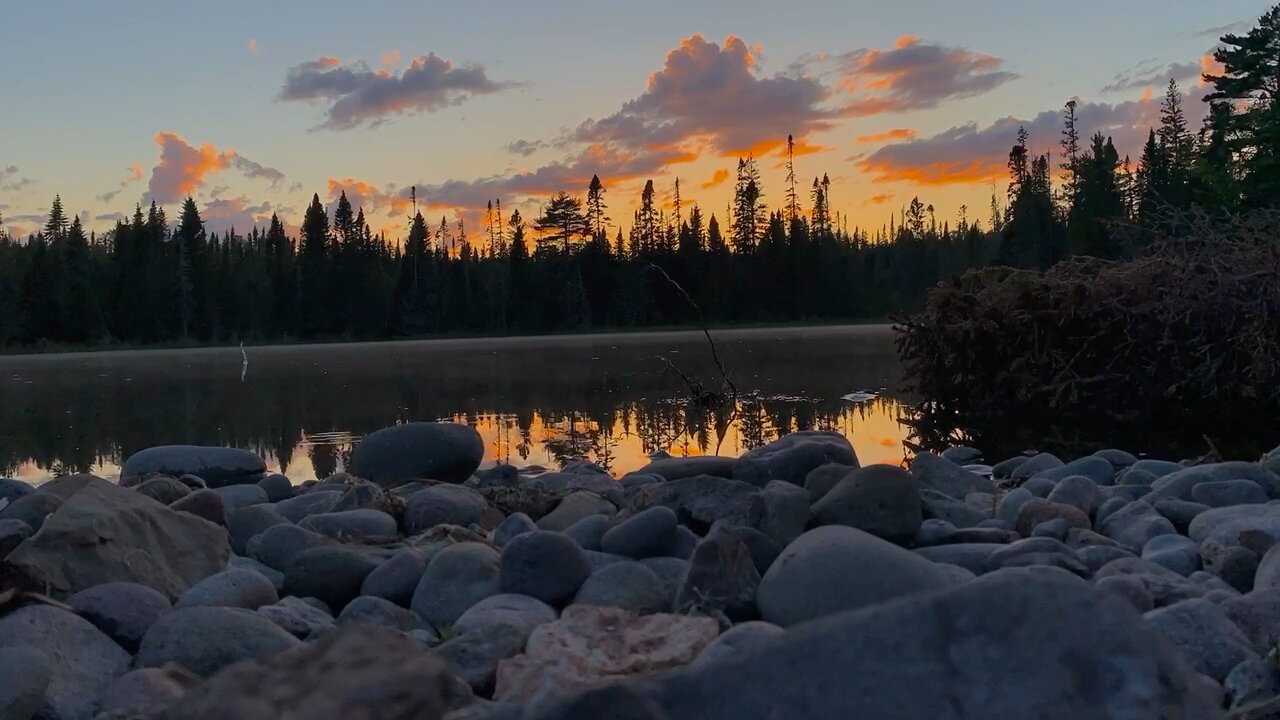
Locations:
(612, 398)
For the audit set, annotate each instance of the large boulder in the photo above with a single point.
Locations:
(791, 457)
(32, 509)
(145, 693)
(217, 466)
(279, 544)
(627, 585)
(574, 507)
(447, 452)
(835, 568)
(545, 565)
(518, 611)
(235, 587)
(82, 661)
(676, 468)
(934, 473)
(1026, 643)
(701, 500)
(124, 611)
(331, 574)
(106, 533)
(25, 674)
(747, 637)
(309, 503)
(1206, 637)
(352, 525)
(206, 639)
(245, 522)
(649, 533)
(396, 578)
(458, 577)
(879, 499)
(1135, 524)
(442, 505)
(360, 672)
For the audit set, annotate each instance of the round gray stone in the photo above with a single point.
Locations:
(545, 565)
(230, 588)
(396, 578)
(81, 660)
(649, 533)
(352, 525)
(458, 577)
(368, 610)
(124, 611)
(207, 639)
(628, 585)
(442, 505)
(331, 574)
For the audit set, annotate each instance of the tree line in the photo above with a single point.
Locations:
(572, 268)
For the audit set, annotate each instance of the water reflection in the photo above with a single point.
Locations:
(534, 400)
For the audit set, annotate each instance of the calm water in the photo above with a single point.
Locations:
(538, 401)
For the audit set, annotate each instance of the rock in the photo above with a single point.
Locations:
(475, 656)
(245, 522)
(1159, 468)
(633, 480)
(519, 611)
(1003, 631)
(375, 611)
(1125, 492)
(163, 489)
(1095, 557)
(721, 580)
(1178, 553)
(835, 568)
(702, 500)
(1268, 573)
(791, 457)
(686, 540)
(331, 574)
(217, 466)
(207, 639)
(599, 483)
(1056, 528)
(932, 532)
(962, 454)
(970, 556)
(670, 571)
(241, 496)
(934, 473)
(1135, 524)
(1134, 476)
(25, 673)
(1118, 458)
(680, 468)
(1038, 510)
(984, 503)
(1039, 486)
(574, 507)
(1179, 484)
(545, 565)
(589, 531)
(230, 588)
(204, 504)
(145, 693)
(589, 645)
(80, 660)
(1109, 506)
(1165, 586)
(11, 489)
(458, 577)
(1131, 588)
(275, 577)
(741, 639)
(1008, 506)
(513, 526)
(356, 673)
(12, 533)
(31, 509)
(1252, 680)
(309, 503)
(1034, 465)
(396, 578)
(1179, 512)
(114, 532)
(1205, 636)
(362, 496)
(1078, 538)
(879, 499)
(1037, 551)
(600, 559)
(352, 525)
(447, 452)
(936, 505)
(1004, 469)
(786, 511)
(1224, 493)
(1257, 615)
(1095, 468)
(124, 611)
(1078, 491)
(649, 533)
(298, 617)
(279, 544)
(442, 505)
(627, 585)
(277, 487)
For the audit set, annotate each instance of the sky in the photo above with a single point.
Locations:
(252, 107)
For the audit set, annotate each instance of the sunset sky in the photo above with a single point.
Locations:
(251, 107)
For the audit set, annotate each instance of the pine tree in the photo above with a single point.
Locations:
(1250, 85)
(647, 225)
(793, 200)
(750, 215)
(1177, 148)
(562, 223)
(596, 218)
(55, 228)
(313, 257)
(1070, 154)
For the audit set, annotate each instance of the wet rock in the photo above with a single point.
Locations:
(217, 466)
(230, 588)
(514, 525)
(545, 565)
(278, 545)
(204, 504)
(298, 617)
(357, 673)
(589, 645)
(589, 531)
(1224, 493)
(574, 507)
(442, 505)
(352, 525)
(331, 574)
(1201, 631)
(76, 660)
(397, 578)
(447, 452)
(649, 533)
(934, 473)
(458, 577)
(878, 499)
(835, 568)
(113, 532)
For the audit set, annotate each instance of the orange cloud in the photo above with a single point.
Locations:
(253, 46)
(880, 199)
(183, 167)
(887, 135)
(717, 179)
(373, 199)
(1209, 66)
(915, 75)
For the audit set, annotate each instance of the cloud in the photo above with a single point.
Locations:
(717, 179)
(715, 94)
(356, 94)
(1142, 76)
(1235, 27)
(366, 195)
(135, 174)
(9, 179)
(968, 153)
(880, 199)
(223, 214)
(916, 75)
(253, 46)
(110, 217)
(525, 148)
(296, 187)
(183, 167)
(894, 134)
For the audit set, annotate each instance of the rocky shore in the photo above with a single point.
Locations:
(787, 583)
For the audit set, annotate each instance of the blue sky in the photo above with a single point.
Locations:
(89, 87)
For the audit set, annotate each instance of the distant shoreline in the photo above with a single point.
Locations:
(870, 327)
